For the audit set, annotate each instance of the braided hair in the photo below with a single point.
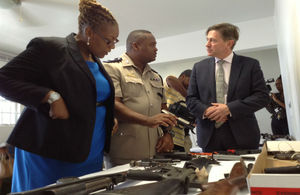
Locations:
(93, 14)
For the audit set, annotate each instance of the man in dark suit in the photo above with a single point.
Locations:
(224, 92)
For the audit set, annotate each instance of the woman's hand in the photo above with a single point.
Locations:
(58, 109)
(274, 97)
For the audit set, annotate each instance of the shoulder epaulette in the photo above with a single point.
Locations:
(155, 71)
(114, 60)
(158, 75)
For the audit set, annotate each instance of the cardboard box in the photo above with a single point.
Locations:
(279, 184)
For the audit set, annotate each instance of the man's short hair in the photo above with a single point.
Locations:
(136, 36)
(186, 73)
(227, 30)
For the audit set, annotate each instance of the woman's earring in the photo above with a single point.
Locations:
(88, 41)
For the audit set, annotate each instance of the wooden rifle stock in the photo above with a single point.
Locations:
(230, 185)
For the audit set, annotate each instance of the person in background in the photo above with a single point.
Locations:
(69, 98)
(224, 92)
(276, 107)
(176, 90)
(6, 167)
(138, 102)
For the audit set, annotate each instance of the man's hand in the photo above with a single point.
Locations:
(58, 109)
(217, 112)
(161, 119)
(165, 143)
(273, 96)
(115, 127)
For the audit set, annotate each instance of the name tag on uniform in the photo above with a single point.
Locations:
(154, 79)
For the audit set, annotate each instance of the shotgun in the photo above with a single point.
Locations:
(74, 185)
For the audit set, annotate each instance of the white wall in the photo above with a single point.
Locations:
(287, 20)
(268, 59)
(2, 63)
(253, 34)
(4, 129)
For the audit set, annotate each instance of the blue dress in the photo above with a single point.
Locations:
(34, 171)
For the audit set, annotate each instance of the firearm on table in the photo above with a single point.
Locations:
(228, 157)
(214, 157)
(153, 162)
(74, 185)
(172, 180)
(164, 158)
(240, 151)
(271, 137)
(165, 187)
(291, 155)
(174, 155)
(283, 170)
(224, 157)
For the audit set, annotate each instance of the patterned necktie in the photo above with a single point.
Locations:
(221, 86)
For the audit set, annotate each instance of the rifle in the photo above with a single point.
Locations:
(74, 185)
(240, 151)
(173, 155)
(225, 157)
(172, 180)
(270, 137)
(290, 155)
(153, 162)
(229, 157)
(166, 187)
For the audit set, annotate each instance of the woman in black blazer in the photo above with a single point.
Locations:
(69, 98)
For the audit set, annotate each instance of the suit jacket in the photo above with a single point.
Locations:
(57, 64)
(247, 93)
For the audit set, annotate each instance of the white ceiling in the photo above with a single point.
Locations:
(20, 23)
